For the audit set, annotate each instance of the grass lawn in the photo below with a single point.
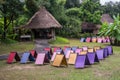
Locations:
(19, 47)
(108, 69)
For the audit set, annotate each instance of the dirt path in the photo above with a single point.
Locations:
(41, 44)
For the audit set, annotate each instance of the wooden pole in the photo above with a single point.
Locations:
(53, 33)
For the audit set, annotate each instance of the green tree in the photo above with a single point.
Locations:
(72, 3)
(74, 12)
(10, 10)
(58, 11)
(72, 28)
(90, 11)
(32, 7)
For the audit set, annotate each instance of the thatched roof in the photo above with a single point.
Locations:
(106, 18)
(42, 19)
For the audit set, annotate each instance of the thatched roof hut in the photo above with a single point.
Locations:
(42, 19)
(42, 22)
(106, 18)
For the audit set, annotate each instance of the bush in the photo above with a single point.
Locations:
(59, 40)
(72, 29)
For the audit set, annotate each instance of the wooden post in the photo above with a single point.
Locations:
(53, 33)
(19, 34)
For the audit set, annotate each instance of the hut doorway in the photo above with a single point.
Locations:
(42, 33)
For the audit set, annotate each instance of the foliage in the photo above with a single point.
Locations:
(90, 11)
(70, 30)
(1, 24)
(21, 20)
(111, 8)
(72, 3)
(72, 26)
(58, 11)
(112, 30)
(31, 6)
(68, 22)
(74, 12)
(40, 3)
(9, 34)
(60, 40)
(10, 10)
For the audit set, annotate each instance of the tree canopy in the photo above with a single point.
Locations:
(111, 8)
(90, 11)
(9, 10)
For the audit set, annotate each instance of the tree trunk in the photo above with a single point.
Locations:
(5, 22)
(5, 28)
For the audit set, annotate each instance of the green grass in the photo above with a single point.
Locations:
(8, 41)
(108, 69)
(59, 40)
(19, 47)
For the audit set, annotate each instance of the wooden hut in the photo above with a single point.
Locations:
(43, 24)
(88, 27)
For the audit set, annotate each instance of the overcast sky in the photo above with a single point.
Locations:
(103, 1)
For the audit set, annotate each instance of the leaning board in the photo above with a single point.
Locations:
(59, 60)
(72, 58)
(40, 58)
